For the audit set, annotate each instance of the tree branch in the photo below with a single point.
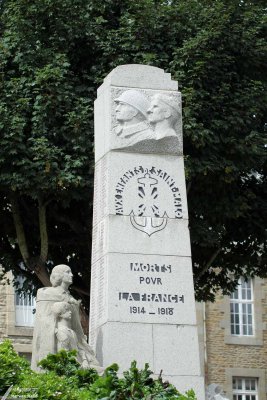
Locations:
(34, 264)
(80, 290)
(38, 266)
(74, 225)
(188, 187)
(212, 258)
(43, 230)
(22, 243)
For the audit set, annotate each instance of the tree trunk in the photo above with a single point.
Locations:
(35, 264)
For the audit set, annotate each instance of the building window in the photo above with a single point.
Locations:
(241, 309)
(245, 388)
(24, 306)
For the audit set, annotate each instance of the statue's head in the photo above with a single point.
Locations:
(163, 107)
(131, 104)
(61, 273)
(62, 309)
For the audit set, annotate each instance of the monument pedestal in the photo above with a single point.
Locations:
(142, 295)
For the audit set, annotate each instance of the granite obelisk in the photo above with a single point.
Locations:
(142, 295)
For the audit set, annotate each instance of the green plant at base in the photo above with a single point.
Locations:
(62, 363)
(135, 385)
(11, 366)
(48, 386)
(65, 363)
(62, 378)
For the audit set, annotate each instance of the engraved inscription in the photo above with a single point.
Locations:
(100, 191)
(151, 268)
(153, 297)
(156, 301)
(154, 198)
(98, 297)
(98, 243)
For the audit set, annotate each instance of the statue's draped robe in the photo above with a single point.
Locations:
(44, 336)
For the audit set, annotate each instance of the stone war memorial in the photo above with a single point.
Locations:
(142, 294)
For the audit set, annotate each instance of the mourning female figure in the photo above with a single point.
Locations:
(57, 323)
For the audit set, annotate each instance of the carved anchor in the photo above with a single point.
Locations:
(148, 192)
(149, 227)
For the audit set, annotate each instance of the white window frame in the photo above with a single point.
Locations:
(243, 392)
(21, 336)
(257, 373)
(259, 324)
(241, 300)
(24, 307)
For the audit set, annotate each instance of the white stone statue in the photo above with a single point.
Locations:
(147, 126)
(163, 114)
(57, 323)
(214, 392)
(131, 116)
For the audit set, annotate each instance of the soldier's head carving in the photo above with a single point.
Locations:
(163, 113)
(131, 113)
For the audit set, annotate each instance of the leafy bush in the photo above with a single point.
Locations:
(49, 386)
(64, 379)
(65, 363)
(135, 385)
(12, 366)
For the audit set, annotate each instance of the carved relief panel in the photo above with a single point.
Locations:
(146, 121)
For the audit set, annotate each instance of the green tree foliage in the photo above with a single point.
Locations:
(63, 379)
(11, 366)
(54, 54)
(223, 77)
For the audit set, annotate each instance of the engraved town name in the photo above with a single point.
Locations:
(151, 184)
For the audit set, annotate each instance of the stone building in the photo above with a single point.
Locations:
(235, 332)
(232, 335)
(17, 318)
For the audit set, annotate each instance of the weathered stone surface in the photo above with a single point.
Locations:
(142, 299)
(150, 289)
(146, 342)
(140, 116)
(142, 288)
(146, 122)
(139, 76)
(151, 186)
(57, 323)
(115, 233)
(135, 341)
(180, 342)
(140, 121)
(119, 342)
